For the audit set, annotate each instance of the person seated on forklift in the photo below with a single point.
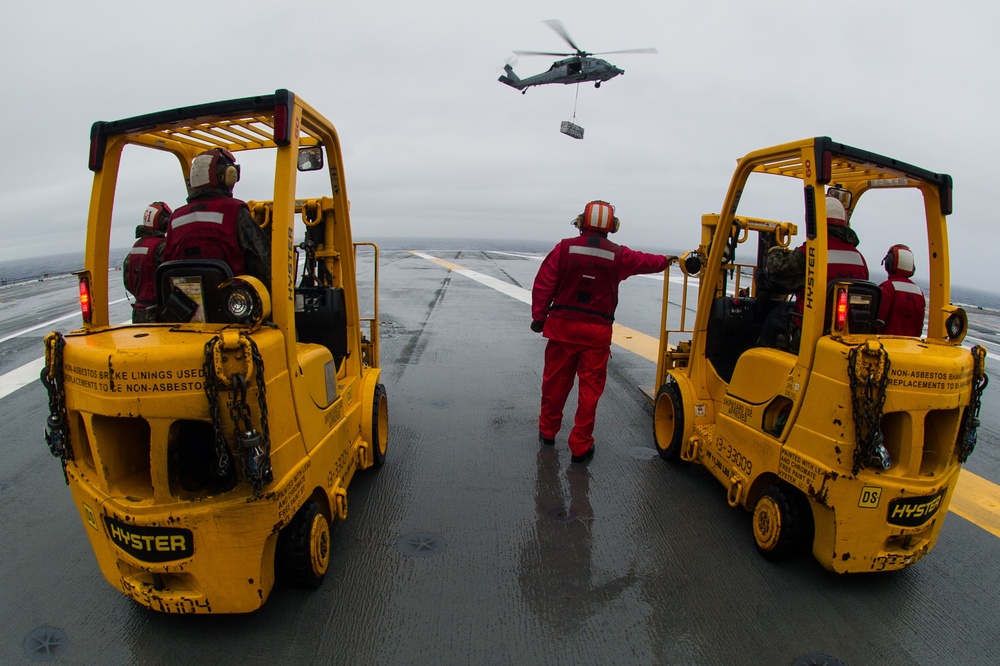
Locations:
(139, 267)
(216, 225)
(786, 270)
(902, 305)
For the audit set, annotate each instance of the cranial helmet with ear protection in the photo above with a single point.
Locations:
(899, 260)
(597, 216)
(157, 216)
(214, 168)
(835, 213)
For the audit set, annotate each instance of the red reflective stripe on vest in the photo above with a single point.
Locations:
(206, 229)
(844, 261)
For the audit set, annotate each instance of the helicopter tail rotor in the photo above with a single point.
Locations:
(508, 62)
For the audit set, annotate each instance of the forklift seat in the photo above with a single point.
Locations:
(183, 285)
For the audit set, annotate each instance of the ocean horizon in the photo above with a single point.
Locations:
(17, 271)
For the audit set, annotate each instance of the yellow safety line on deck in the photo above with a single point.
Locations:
(440, 262)
(976, 499)
(644, 345)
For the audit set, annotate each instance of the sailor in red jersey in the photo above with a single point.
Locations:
(214, 224)
(786, 270)
(573, 304)
(902, 305)
(139, 268)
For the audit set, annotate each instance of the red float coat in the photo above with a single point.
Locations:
(140, 271)
(576, 288)
(843, 260)
(901, 307)
(206, 229)
(576, 293)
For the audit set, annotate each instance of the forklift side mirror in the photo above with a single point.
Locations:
(310, 158)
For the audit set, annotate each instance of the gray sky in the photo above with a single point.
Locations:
(435, 147)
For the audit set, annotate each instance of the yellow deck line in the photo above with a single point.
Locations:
(976, 499)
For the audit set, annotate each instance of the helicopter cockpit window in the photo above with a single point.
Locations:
(310, 158)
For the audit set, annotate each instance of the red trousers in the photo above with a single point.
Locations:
(564, 361)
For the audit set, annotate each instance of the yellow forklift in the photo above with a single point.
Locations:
(211, 450)
(838, 439)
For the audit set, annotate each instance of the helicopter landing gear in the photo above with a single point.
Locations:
(597, 85)
(524, 92)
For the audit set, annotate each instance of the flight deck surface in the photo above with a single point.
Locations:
(476, 545)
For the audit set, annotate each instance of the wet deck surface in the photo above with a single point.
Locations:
(476, 545)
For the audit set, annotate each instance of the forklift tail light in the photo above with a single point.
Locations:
(840, 312)
(86, 306)
(825, 174)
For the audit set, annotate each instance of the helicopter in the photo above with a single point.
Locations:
(577, 68)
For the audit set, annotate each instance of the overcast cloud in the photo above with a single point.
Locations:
(435, 147)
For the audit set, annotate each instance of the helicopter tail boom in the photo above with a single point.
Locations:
(510, 78)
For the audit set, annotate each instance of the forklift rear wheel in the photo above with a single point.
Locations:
(668, 421)
(782, 523)
(304, 547)
(380, 426)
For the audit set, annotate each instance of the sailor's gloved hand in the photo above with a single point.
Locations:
(537, 326)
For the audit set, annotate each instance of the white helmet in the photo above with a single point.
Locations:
(899, 260)
(835, 213)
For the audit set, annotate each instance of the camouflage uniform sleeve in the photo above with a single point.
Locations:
(256, 246)
(786, 268)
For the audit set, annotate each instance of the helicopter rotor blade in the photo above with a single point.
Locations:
(544, 53)
(557, 26)
(645, 50)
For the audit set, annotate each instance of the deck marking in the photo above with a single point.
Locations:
(15, 379)
(976, 499)
(32, 370)
(48, 323)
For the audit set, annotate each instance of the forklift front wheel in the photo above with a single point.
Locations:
(668, 421)
(304, 547)
(782, 523)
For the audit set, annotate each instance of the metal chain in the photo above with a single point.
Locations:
(212, 393)
(265, 461)
(253, 446)
(239, 410)
(868, 371)
(57, 424)
(970, 420)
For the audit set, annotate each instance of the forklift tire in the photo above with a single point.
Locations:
(782, 523)
(380, 426)
(303, 554)
(668, 421)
